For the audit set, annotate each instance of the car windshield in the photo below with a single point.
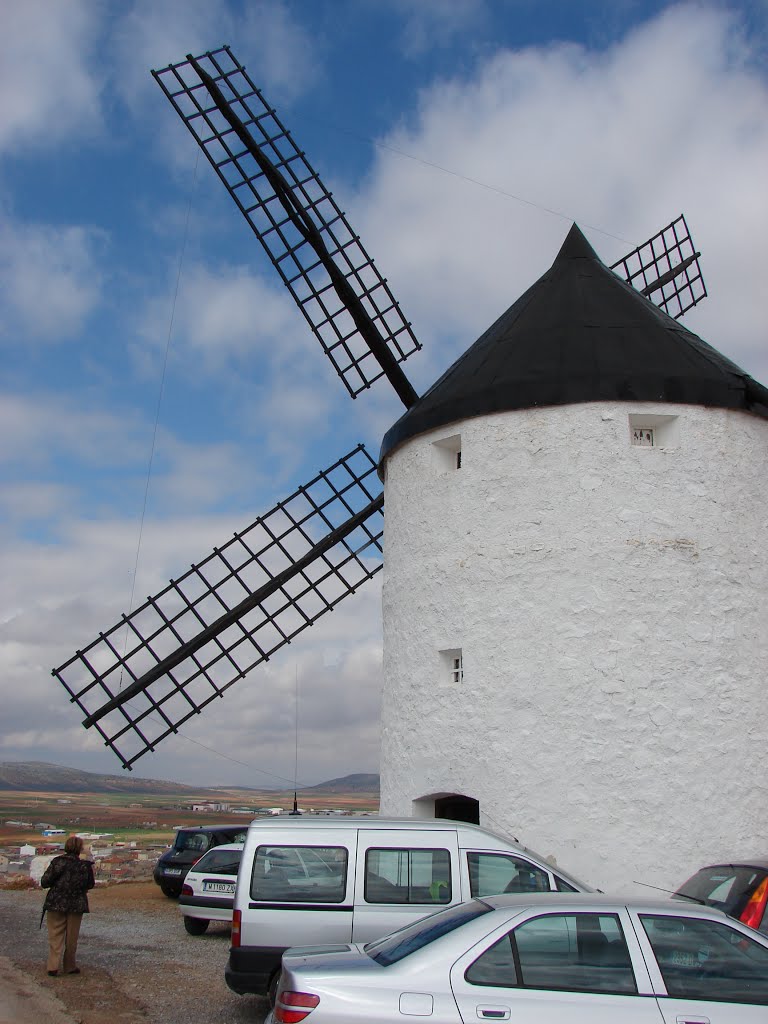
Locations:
(407, 940)
(727, 886)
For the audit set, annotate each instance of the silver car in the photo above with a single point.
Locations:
(556, 958)
(208, 891)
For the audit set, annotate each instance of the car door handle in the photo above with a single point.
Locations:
(687, 1019)
(493, 1012)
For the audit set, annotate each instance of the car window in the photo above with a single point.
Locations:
(495, 967)
(408, 940)
(492, 873)
(562, 886)
(227, 836)
(196, 842)
(299, 874)
(575, 952)
(407, 876)
(708, 960)
(219, 862)
(726, 886)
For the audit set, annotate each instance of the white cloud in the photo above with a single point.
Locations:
(155, 33)
(673, 118)
(49, 90)
(50, 279)
(38, 428)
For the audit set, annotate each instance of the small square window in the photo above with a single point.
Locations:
(447, 453)
(653, 430)
(452, 664)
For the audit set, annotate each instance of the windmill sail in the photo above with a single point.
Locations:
(159, 666)
(666, 269)
(335, 283)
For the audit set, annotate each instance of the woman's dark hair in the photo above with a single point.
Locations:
(74, 845)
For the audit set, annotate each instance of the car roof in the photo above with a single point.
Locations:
(578, 901)
(229, 827)
(751, 862)
(373, 822)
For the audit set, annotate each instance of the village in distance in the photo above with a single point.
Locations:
(128, 823)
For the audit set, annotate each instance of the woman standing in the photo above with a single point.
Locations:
(68, 879)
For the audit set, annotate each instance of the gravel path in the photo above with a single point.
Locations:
(139, 966)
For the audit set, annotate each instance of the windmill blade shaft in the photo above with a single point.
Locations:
(666, 269)
(670, 275)
(336, 285)
(275, 584)
(163, 663)
(309, 232)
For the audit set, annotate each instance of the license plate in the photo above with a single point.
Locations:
(226, 887)
(173, 871)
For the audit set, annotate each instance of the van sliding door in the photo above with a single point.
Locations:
(403, 875)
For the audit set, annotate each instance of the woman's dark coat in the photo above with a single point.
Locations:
(67, 879)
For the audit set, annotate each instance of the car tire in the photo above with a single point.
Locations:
(195, 925)
(171, 893)
(274, 984)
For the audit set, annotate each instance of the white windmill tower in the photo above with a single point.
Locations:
(563, 620)
(576, 586)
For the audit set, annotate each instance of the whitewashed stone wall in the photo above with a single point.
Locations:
(611, 603)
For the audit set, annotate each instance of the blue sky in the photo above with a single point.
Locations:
(462, 137)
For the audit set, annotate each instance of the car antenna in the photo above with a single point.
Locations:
(296, 810)
(671, 892)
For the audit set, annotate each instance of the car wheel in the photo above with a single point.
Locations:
(195, 925)
(274, 984)
(170, 892)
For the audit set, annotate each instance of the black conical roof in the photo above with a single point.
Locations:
(580, 334)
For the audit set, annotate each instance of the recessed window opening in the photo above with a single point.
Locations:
(650, 430)
(452, 663)
(458, 670)
(447, 453)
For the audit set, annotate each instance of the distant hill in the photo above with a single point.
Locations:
(42, 777)
(359, 783)
(39, 776)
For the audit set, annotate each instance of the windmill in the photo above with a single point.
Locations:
(159, 666)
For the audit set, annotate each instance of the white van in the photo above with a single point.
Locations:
(322, 880)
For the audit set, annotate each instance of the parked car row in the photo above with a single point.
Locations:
(347, 883)
(188, 847)
(555, 959)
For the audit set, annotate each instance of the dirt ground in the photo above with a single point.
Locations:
(138, 965)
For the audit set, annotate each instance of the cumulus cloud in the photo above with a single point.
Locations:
(49, 279)
(671, 118)
(50, 91)
(153, 33)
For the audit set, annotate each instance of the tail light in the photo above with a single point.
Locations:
(752, 914)
(186, 890)
(292, 1007)
(237, 917)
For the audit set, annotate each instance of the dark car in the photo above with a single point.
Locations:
(188, 847)
(740, 890)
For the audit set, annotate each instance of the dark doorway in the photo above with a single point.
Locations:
(458, 808)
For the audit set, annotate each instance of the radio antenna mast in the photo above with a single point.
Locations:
(296, 745)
